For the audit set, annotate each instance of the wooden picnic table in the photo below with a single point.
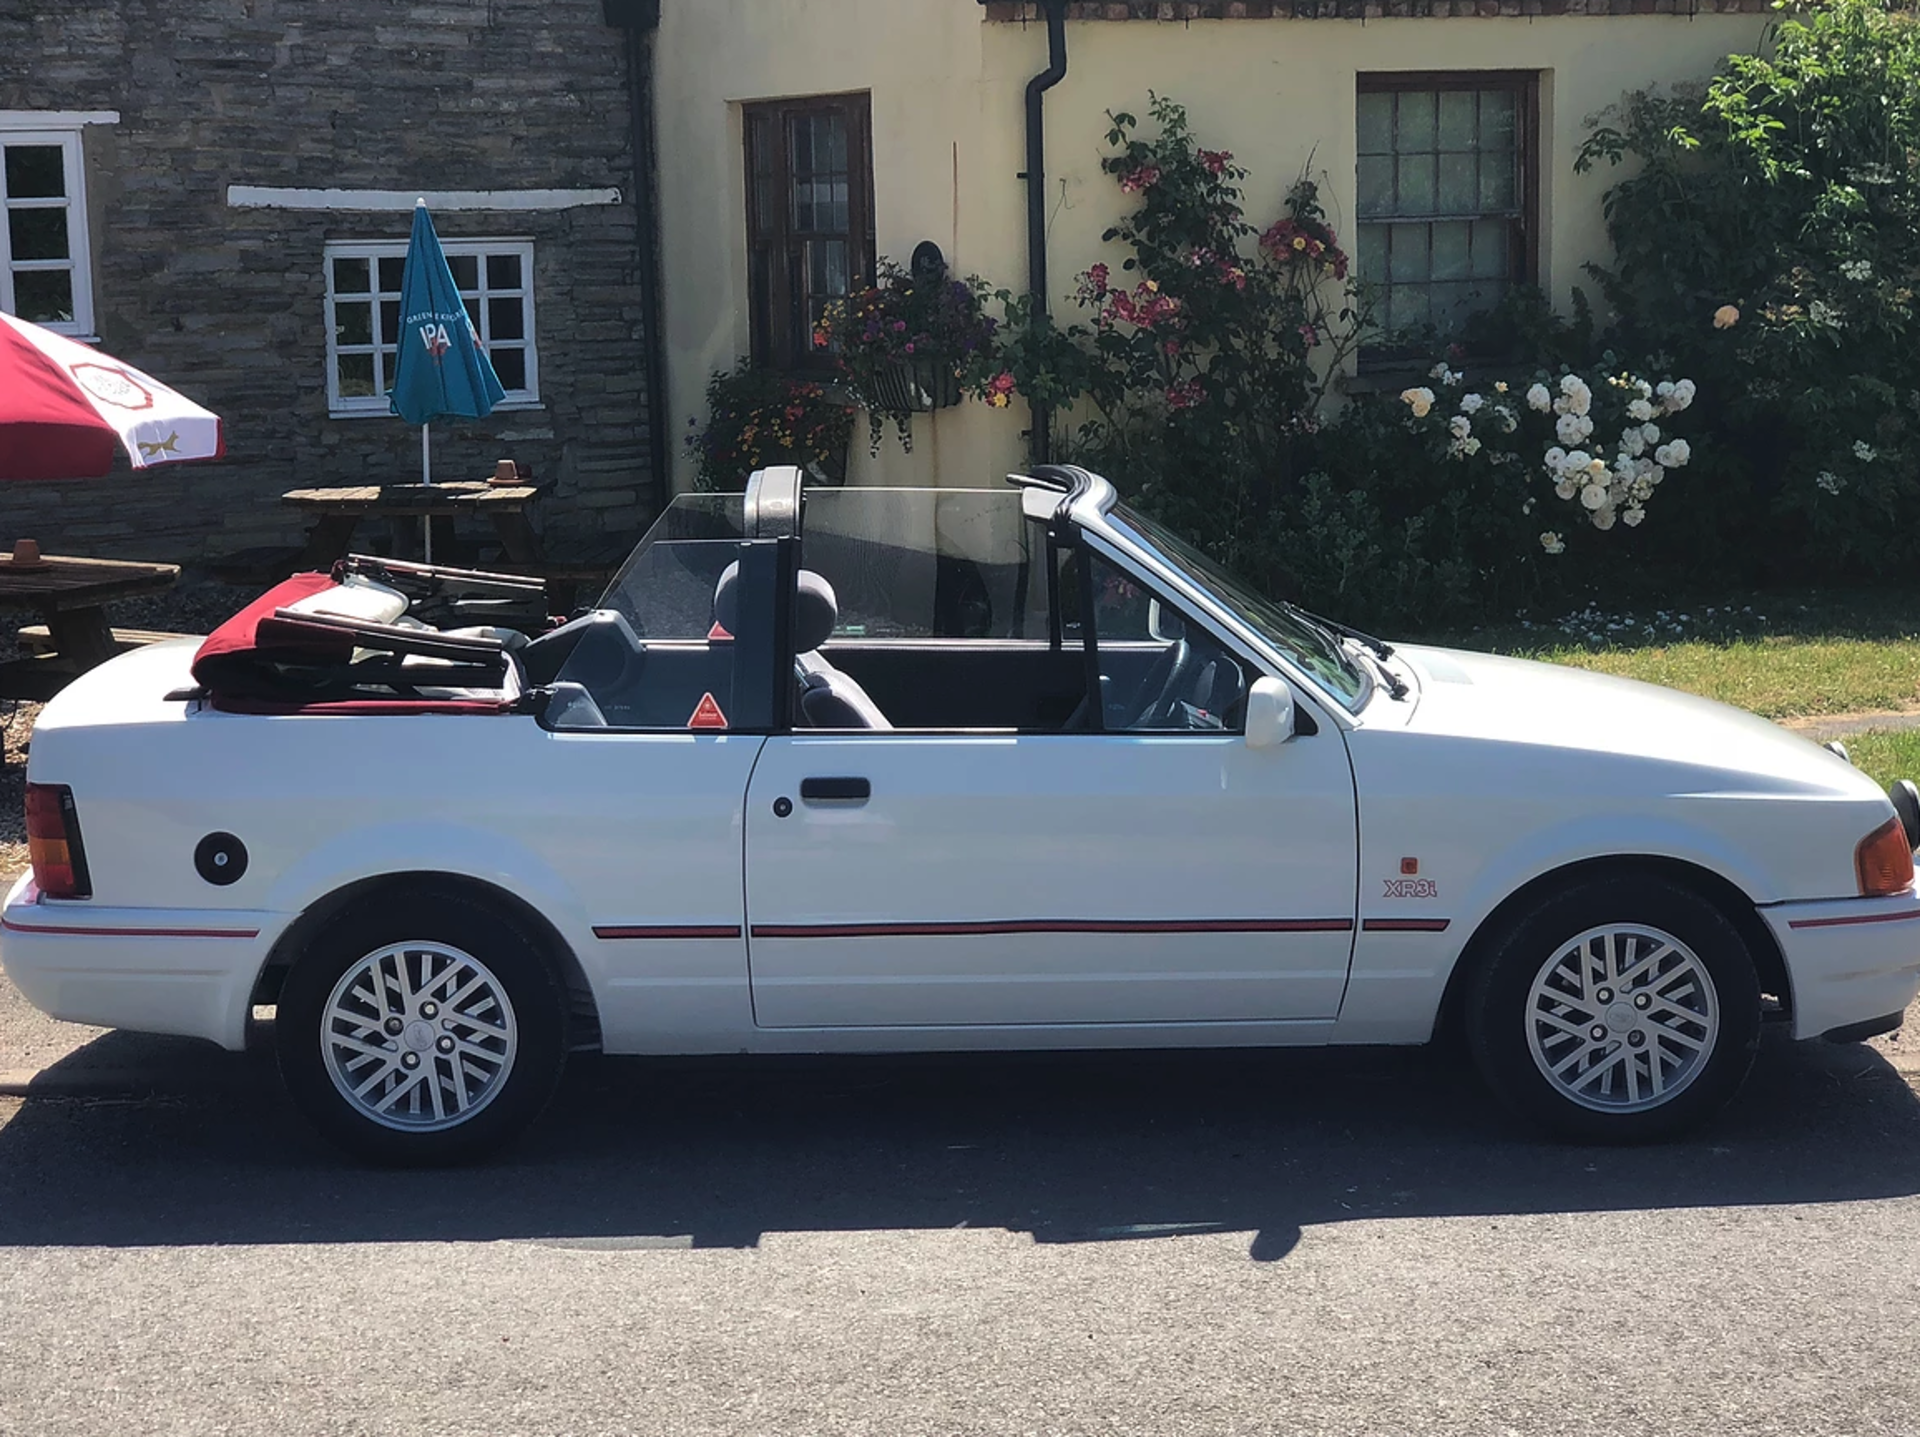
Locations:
(339, 510)
(71, 596)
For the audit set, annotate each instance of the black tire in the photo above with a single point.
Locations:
(506, 1104)
(1501, 1009)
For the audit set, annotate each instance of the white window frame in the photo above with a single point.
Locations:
(79, 260)
(359, 406)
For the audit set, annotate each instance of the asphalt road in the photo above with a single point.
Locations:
(1157, 1244)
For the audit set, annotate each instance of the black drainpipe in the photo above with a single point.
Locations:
(641, 20)
(1036, 178)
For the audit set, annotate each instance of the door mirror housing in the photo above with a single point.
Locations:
(1269, 713)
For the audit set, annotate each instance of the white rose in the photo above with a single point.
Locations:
(1539, 399)
(1568, 428)
(1603, 519)
(1556, 459)
(1632, 445)
(1439, 372)
(1470, 403)
(1460, 426)
(1565, 489)
(1593, 496)
(1569, 383)
(1597, 468)
(1633, 517)
(1508, 421)
(1640, 410)
(1580, 401)
(1681, 396)
(1681, 452)
(1553, 543)
(1664, 388)
(1472, 446)
(1418, 400)
(1576, 461)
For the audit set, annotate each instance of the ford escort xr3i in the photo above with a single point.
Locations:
(882, 769)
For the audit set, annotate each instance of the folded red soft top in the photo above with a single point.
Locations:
(265, 660)
(241, 635)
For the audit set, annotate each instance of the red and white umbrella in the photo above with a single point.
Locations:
(63, 406)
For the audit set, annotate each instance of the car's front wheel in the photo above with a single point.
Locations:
(1620, 1009)
(421, 1029)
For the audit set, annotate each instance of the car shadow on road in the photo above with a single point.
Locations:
(639, 1153)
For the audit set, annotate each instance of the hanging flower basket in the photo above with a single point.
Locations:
(909, 345)
(915, 386)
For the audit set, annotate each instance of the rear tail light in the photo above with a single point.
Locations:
(53, 842)
(1884, 861)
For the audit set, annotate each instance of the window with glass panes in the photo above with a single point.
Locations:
(1445, 194)
(45, 273)
(809, 220)
(495, 280)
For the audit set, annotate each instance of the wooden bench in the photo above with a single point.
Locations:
(36, 639)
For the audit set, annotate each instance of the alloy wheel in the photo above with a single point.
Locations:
(418, 1036)
(1622, 1018)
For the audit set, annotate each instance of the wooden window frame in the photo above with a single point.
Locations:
(356, 406)
(79, 258)
(1523, 252)
(775, 249)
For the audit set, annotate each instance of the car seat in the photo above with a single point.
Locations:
(826, 697)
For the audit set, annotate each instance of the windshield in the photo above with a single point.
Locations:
(1314, 649)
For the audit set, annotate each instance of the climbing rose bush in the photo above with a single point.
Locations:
(1601, 447)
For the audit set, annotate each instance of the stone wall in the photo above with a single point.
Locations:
(227, 304)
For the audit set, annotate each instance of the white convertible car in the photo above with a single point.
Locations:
(885, 769)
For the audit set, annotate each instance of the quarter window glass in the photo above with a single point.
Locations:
(669, 664)
(924, 564)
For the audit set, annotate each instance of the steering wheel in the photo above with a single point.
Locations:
(1162, 683)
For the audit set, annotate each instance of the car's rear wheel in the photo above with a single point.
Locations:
(421, 1029)
(1617, 1010)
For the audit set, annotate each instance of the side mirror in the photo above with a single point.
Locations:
(1163, 625)
(1269, 713)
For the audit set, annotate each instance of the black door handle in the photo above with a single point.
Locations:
(844, 790)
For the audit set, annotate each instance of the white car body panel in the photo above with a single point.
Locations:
(1107, 879)
(1393, 835)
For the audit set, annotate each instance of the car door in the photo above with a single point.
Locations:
(1152, 871)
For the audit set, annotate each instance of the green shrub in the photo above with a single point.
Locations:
(1769, 245)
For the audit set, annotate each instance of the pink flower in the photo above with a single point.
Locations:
(1214, 161)
(1144, 178)
(1184, 395)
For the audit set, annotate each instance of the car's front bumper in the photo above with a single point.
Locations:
(1849, 960)
(153, 970)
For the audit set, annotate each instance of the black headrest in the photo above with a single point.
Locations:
(815, 609)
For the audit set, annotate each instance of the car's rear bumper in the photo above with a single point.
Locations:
(1850, 960)
(154, 970)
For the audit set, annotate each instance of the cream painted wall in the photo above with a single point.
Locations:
(949, 138)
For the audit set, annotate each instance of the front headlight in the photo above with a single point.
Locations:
(1884, 861)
